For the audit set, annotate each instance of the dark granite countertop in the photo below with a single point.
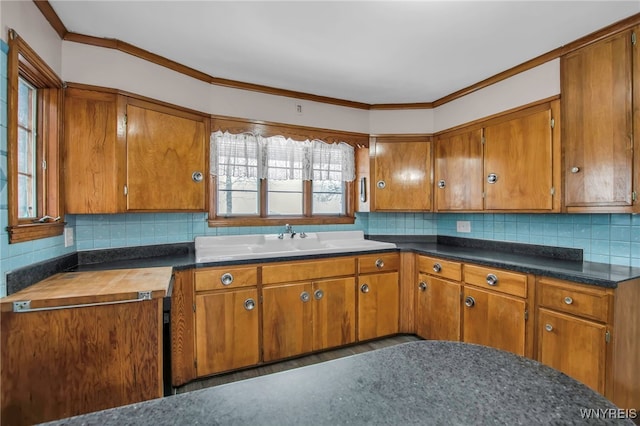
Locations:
(425, 382)
(554, 262)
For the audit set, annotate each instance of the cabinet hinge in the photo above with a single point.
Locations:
(126, 190)
(553, 123)
(634, 196)
(125, 119)
(526, 314)
(194, 307)
(484, 194)
(553, 191)
(483, 140)
(44, 164)
(607, 336)
(195, 364)
(633, 38)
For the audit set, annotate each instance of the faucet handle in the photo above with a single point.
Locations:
(303, 235)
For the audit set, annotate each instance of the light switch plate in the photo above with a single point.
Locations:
(68, 237)
(463, 226)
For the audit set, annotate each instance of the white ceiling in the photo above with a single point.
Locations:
(364, 51)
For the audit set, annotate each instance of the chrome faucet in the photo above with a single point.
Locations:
(289, 230)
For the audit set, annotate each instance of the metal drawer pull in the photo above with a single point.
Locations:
(548, 327)
(25, 305)
(568, 300)
(226, 278)
(304, 296)
(379, 263)
(575, 169)
(492, 279)
(470, 302)
(492, 178)
(318, 294)
(422, 286)
(249, 304)
(441, 184)
(437, 267)
(364, 288)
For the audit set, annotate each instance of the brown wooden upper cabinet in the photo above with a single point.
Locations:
(507, 163)
(125, 154)
(600, 85)
(401, 173)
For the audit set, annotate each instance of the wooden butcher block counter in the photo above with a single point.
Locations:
(78, 342)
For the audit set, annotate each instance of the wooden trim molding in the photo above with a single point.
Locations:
(46, 9)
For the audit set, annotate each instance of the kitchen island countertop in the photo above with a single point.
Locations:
(425, 382)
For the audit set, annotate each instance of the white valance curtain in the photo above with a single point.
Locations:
(280, 158)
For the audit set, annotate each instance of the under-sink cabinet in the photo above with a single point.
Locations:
(307, 306)
(226, 319)
(438, 294)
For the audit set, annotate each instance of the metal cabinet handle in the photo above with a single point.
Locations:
(381, 184)
(437, 267)
(441, 184)
(249, 304)
(492, 178)
(364, 288)
(379, 263)
(363, 189)
(575, 169)
(422, 286)
(568, 300)
(226, 278)
(548, 327)
(492, 279)
(304, 296)
(470, 302)
(197, 177)
(318, 294)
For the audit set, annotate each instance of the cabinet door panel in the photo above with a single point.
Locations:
(438, 309)
(458, 165)
(574, 346)
(597, 123)
(378, 305)
(404, 167)
(494, 320)
(334, 319)
(163, 151)
(519, 152)
(226, 332)
(286, 321)
(94, 153)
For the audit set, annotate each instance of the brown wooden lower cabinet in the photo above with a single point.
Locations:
(438, 308)
(378, 298)
(65, 362)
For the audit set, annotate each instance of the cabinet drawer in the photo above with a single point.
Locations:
(303, 271)
(496, 279)
(383, 262)
(440, 268)
(585, 301)
(225, 277)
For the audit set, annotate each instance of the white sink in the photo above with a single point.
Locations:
(257, 246)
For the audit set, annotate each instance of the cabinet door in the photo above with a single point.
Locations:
(334, 309)
(438, 309)
(287, 315)
(458, 172)
(494, 320)
(378, 298)
(597, 123)
(574, 346)
(163, 153)
(402, 178)
(518, 163)
(94, 152)
(226, 330)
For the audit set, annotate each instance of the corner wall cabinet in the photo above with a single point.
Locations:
(126, 154)
(601, 107)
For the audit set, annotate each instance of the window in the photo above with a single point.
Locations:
(270, 180)
(33, 142)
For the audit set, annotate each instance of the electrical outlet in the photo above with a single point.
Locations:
(463, 226)
(68, 237)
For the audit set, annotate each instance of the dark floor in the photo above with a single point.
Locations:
(297, 362)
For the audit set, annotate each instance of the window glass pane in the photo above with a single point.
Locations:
(237, 195)
(27, 190)
(328, 197)
(284, 197)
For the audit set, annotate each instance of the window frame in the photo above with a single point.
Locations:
(24, 62)
(267, 129)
